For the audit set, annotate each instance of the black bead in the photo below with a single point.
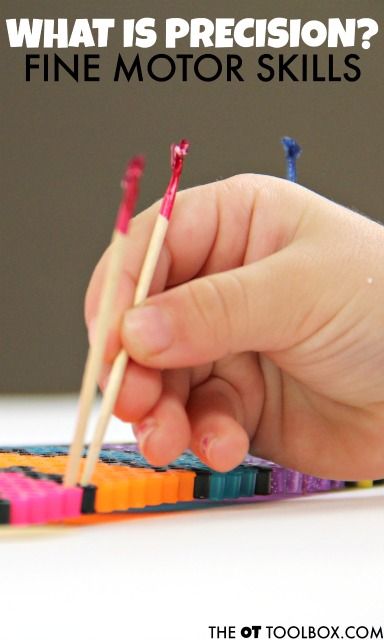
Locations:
(202, 484)
(263, 481)
(5, 511)
(88, 501)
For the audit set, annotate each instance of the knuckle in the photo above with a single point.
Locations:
(258, 184)
(221, 304)
(199, 293)
(236, 304)
(256, 192)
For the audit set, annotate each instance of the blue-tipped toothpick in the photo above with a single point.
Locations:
(292, 152)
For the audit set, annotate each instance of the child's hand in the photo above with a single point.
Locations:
(269, 336)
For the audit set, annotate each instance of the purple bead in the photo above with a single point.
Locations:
(293, 482)
(277, 480)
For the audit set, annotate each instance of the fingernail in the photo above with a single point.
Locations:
(207, 445)
(149, 328)
(144, 429)
(92, 331)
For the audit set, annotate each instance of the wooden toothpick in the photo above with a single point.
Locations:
(178, 153)
(96, 351)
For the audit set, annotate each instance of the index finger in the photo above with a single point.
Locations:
(209, 232)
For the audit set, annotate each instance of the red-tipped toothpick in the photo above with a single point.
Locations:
(178, 153)
(130, 185)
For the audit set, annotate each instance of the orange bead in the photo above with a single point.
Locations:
(186, 485)
(138, 486)
(121, 498)
(170, 487)
(104, 497)
(154, 493)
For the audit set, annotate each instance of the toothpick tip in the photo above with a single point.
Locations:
(291, 147)
(134, 170)
(130, 186)
(179, 151)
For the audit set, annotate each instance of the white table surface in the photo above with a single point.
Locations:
(309, 561)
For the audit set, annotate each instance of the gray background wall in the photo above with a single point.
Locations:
(64, 146)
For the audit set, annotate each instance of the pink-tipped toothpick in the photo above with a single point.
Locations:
(178, 153)
(130, 185)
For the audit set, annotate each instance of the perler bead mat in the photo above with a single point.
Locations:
(32, 490)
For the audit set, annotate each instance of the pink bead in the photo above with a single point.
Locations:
(72, 501)
(37, 504)
(19, 508)
(55, 502)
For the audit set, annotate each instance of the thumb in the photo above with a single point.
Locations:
(255, 307)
